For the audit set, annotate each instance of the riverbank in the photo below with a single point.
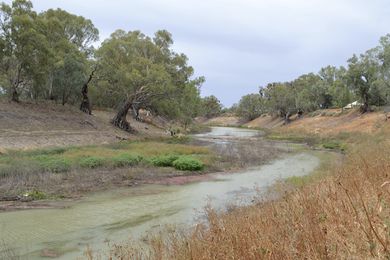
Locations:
(46, 177)
(340, 214)
(119, 212)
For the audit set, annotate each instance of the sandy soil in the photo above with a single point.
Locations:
(222, 121)
(329, 121)
(30, 125)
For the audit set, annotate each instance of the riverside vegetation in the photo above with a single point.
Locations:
(341, 212)
(42, 169)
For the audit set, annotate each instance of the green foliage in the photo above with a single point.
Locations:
(50, 151)
(92, 162)
(164, 160)
(45, 55)
(367, 79)
(36, 195)
(334, 145)
(186, 163)
(124, 160)
(53, 164)
(149, 73)
(210, 107)
(251, 106)
(123, 154)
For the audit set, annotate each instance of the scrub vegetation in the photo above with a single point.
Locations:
(58, 160)
(342, 212)
(88, 168)
(339, 212)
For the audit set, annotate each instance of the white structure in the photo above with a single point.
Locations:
(352, 105)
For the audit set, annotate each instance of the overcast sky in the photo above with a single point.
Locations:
(242, 44)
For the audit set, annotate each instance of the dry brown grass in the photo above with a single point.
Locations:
(30, 125)
(325, 122)
(343, 216)
(224, 121)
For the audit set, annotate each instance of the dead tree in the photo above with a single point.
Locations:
(85, 105)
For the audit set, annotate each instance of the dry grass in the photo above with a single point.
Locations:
(325, 122)
(29, 125)
(344, 216)
(224, 121)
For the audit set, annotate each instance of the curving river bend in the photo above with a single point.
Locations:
(116, 215)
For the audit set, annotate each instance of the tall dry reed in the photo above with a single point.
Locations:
(344, 216)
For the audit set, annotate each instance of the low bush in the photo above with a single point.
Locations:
(36, 195)
(92, 162)
(55, 165)
(124, 160)
(164, 160)
(333, 145)
(186, 163)
(49, 151)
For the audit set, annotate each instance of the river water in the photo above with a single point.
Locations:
(116, 215)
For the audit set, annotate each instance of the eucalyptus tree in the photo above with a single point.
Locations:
(23, 49)
(251, 106)
(310, 92)
(382, 85)
(70, 38)
(142, 72)
(211, 106)
(362, 73)
(280, 99)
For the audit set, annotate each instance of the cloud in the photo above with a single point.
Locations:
(239, 45)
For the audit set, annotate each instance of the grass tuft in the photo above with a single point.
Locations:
(124, 160)
(92, 162)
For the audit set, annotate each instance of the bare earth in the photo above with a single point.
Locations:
(329, 121)
(29, 125)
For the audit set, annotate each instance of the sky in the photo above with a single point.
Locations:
(239, 45)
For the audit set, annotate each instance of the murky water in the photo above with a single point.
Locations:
(119, 214)
(225, 132)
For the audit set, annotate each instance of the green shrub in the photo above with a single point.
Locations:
(185, 163)
(333, 145)
(124, 160)
(36, 195)
(164, 160)
(50, 151)
(92, 162)
(55, 165)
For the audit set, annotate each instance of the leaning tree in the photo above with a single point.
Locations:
(142, 70)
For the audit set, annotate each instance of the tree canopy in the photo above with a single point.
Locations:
(366, 79)
(50, 56)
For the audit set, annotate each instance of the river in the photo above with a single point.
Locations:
(116, 215)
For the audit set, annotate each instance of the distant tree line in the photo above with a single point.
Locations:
(366, 79)
(50, 56)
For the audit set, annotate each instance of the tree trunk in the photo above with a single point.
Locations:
(135, 111)
(85, 106)
(365, 107)
(64, 99)
(287, 118)
(15, 95)
(120, 119)
(51, 95)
